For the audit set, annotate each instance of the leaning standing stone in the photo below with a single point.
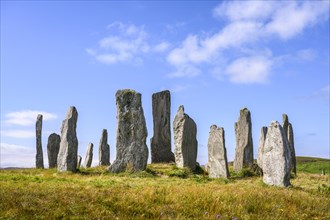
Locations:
(53, 146)
(67, 156)
(217, 163)
(276, 158)
(262, 138)
(161, 141)
(244, 145)
(39, 154)
(185, 143)
(131, 147)
(104, 149)
(288, 131)
(89, 156)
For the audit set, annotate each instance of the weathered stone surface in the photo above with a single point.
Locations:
(276, 158)
(161, 141)
(89, 155)
(104, 149)
(131, 147)
(53, 147)
(288, 130)
(185, 143)
(244, 144)
(292, 150)
(262, 138)
(79, 161)
(217, 153)
(39, 154)
(67, 156)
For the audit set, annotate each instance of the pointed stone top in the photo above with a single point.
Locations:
(213, 127)
(104, 131)
(285, 118)
(161, 92)
(39, 117)
(71, 112)
(181, 109)
(126, 91)
(275, 124)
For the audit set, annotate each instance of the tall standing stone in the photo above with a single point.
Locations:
(161, 141)
(288, 130)
(185, 142)
(79, 161)
(276, 158)
(217, 162)
(104, 149)
(262, 138)
(53, 146)
(89, 156)
(39, 154)
(67, 156)
(244, 144)
(131, 147)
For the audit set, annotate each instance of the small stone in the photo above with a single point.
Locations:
(217, 153)
(161, 141)
(67, 156)
(53, 147)
(89, 155)
(244, 143)
(39, 154)
(132, 150)
(185, 142)
(104, 149)
(276, 158)
(262, 138)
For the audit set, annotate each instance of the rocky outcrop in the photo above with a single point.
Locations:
(262, 138)
(104, 149)
(39, 154)
(53, 147)
(217, 165)
(67, 156)
(131, 148)
(276, 157)
(89, 156)
(161, 141)
(185, 142)
(244, 144)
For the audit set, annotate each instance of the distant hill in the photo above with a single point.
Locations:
(313, 165)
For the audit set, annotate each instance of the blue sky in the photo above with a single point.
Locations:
(215, 57)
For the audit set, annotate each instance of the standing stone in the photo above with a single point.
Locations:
(217, 163)
(89, 156)
(276, 158)
(131, 147)
(39, 154)
(292, 150)
(53, 146)
(104, 149)
(244, 144)
(288, 131)
(79, 161)
(67, 156)
(161, 141)
(185, 143)
(262, 138)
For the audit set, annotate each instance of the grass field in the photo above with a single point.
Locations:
(160, 192)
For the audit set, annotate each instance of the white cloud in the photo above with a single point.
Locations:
(27, 117)
(185, 71)
(306, 55)
(248, 22)
(126, 43)
(161, 47)
(16, 155)
(249, 70)
(18, 133)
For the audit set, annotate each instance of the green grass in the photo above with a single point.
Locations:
(313, 165)
(162, 191)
